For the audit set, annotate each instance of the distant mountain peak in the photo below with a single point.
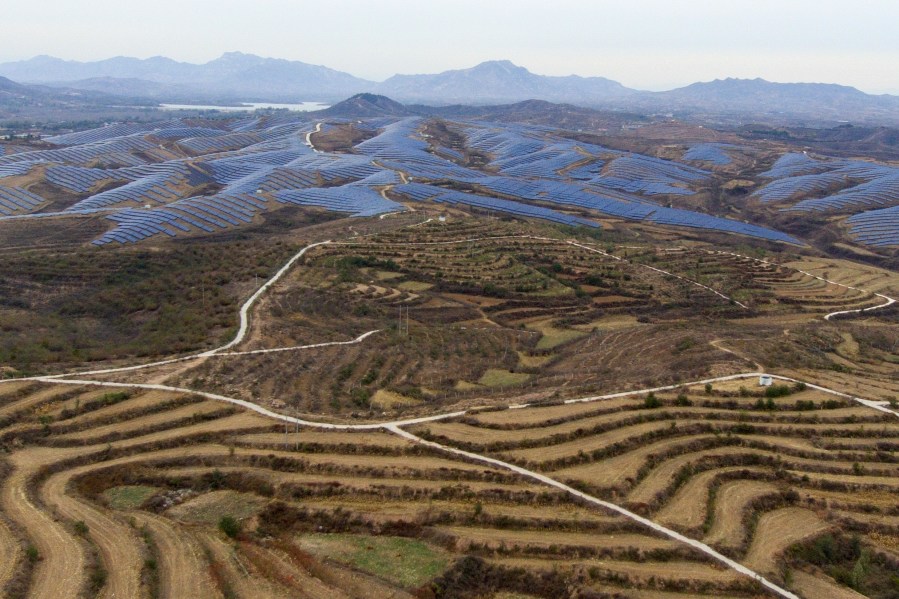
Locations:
(366, 105)
(239, 57)
(239, 76)
(499, 64)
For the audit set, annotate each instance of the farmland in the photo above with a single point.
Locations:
(128, 490)
(416, 357)
(493, 309)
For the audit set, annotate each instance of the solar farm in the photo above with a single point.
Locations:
(864, 190)
(174, 179)
(444, 359)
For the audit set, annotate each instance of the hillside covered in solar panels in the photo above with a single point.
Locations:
(185, 178)
(865, 192)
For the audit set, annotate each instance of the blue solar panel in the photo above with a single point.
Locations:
(713, 153)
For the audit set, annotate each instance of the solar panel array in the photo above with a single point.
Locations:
(182, 132)
(116, 151)
(445, 196)
(574, 195)
(14, 200)
(355, 200)
(176, 178)
(18, 168)
(876, 227)
(883, 191)
(200, 215)
(854, 187)
(636, 173)
(713, 153)
(587, 171)
(688, 218)
(793, 164)
(791, 187)
(103, 133)
(222, 143)
(153, 189)
(76, 178)
(559, 192)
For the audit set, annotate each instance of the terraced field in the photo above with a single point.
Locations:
(748, 474)
(143, 510)
(770, 287)
(136, 513)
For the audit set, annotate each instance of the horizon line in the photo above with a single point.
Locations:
(652, 89)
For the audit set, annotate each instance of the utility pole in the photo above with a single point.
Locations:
(403, 324)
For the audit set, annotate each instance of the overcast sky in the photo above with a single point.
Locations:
(646, 44)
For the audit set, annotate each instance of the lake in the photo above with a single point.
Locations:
(249, 106)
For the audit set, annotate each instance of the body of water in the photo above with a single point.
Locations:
(248, 106)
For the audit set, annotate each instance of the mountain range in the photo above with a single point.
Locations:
(244, 77)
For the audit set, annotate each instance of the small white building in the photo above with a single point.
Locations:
(766, 380)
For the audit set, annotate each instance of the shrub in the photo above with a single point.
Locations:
(777, 391)
(685, 344)
(97, 579)
(651, 401)
(230, 526)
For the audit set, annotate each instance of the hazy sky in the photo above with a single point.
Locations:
(646, 44)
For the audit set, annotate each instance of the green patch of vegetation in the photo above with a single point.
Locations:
(495, 377)
(406, 562)
(128, 497)
(209, 508)
(651, 401)
(384, 399)
(230, 526)
(685, 344)
(465, 386)
(414, 286)
(529, 361)
(386, 275)
(32, 553)
(553, 337)
(682, 400)
(848, 561)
